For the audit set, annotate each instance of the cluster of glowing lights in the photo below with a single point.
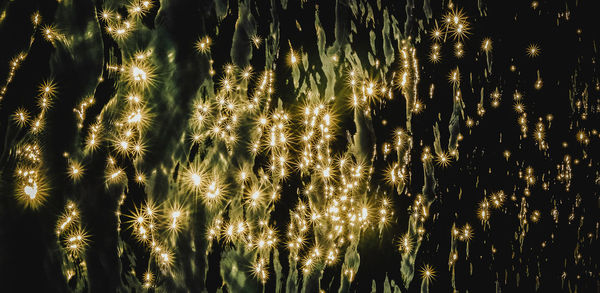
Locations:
(336, 203)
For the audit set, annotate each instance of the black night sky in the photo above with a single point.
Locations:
(299, 146)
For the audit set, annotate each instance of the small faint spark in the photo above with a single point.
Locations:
(533, 50)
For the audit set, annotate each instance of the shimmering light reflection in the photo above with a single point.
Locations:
(317, 150)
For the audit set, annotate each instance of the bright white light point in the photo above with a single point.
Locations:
(370, 89)
(255, 195)
(213, 191)
(115, 174)
(138, 74)
(31, 191)
(196, 179)
(135, 117)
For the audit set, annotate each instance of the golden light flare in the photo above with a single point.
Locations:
(214, 191)
(139, 74)
(455, 23)
(255, 197)
(163, 255)
(146, 219)
(395, 175)
(436, 33)
(47, 89)
(483, 212)
(427, 273)
(405, 244)
(74, 238)
(260, 270)
(33, 190)
(138, 117)
(486, 45)
(194, 178)
(76, 241)
(139, 8)
(115, 175)
(203, 45)
(50, 32)
(533, 50)
(21, 117)
(435, 55)
(454, 77)
(256, 40)
(68, 217)
(175, 217)
(36, 18)
(75, 170)
(148, 279)
(94, 137)
(443, 160)
(31, 184)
